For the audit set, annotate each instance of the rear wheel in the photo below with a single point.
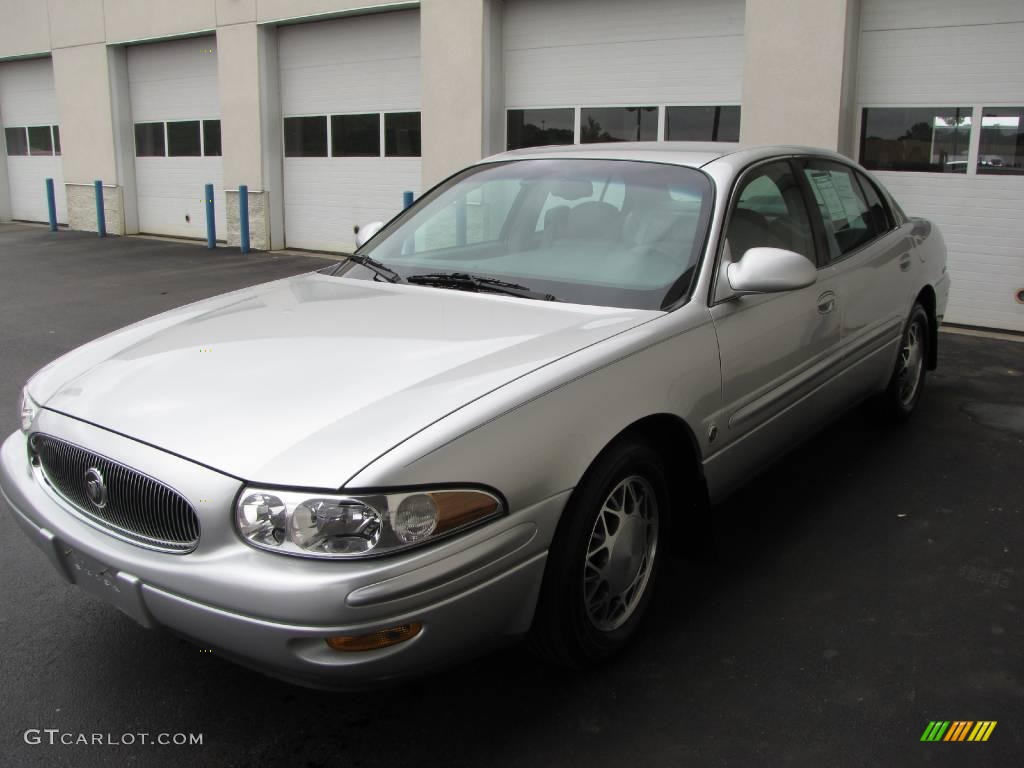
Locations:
(604, 558)
(907, 383)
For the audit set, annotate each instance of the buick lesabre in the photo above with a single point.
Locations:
(496, 419)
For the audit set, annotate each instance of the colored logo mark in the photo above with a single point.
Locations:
(958, 730)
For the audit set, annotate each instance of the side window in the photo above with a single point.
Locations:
(881, 216)
(770, 212)
(849, 222)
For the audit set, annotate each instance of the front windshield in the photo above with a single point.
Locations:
(608, 232)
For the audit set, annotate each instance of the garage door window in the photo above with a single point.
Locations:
(618, 124)
(305, 136)
(702, 123)
(929, 139)
(149, 140)
(1002, 141)
(40, 140)
(211, 138)
(402, 134)
(183, 139)
(17, 143)
(539, 127)
(355, 135)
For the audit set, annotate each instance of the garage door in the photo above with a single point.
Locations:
(594, 70)
(28, 110)
(176, 112)
(350, 96)
(941, 122)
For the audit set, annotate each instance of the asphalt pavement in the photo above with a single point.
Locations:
(870, 582)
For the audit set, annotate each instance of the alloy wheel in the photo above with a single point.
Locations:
(911, 363)
(620, 553)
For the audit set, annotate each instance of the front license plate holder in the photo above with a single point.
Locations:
(120, 589)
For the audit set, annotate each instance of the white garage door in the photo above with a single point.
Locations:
(176, 112)
(28, 110)
(941, 123)
(350, 95)
(582, 70)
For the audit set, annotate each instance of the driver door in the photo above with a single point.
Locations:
(778, 351)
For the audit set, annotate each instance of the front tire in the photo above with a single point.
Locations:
(604, 558)
(907, 382)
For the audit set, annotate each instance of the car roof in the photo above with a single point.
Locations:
(695, 154)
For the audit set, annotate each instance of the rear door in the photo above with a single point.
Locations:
(873, 265)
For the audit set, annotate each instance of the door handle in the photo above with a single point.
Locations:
(826, 302)
(905, 262)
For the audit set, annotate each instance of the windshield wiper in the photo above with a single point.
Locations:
(466, 282)
(381, 269)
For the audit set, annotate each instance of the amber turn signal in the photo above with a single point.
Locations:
(375, 640)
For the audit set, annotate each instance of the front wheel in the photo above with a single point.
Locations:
(604, 558)
(907, 382)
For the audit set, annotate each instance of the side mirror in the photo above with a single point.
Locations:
(771, 270)
(367, 231)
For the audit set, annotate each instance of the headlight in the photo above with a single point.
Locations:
(314, 524)
(28, 409)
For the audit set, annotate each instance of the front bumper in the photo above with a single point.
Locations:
(272, 612)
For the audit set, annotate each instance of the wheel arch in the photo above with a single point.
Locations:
(675, 441)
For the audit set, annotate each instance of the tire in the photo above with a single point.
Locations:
(595, 593)
(907, 383)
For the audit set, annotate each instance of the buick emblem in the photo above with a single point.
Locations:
(95, 488)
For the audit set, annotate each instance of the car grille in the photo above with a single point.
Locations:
(138, 508)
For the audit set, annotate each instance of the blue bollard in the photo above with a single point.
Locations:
(51, 205)
(406, 199)
(243, 217)
(101, 217)
(211, 223)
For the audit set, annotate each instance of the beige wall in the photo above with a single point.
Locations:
(456, 39)
(798, 64)
(24, 28)
(142, 19)
(250, 114)
(36, 26)
(235, 11)
(87, 130)
(275, 10)
(75, 22)
(238, 80)
(793, 79)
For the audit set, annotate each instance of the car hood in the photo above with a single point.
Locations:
(305, 381)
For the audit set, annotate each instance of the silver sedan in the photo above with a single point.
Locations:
(496, 419)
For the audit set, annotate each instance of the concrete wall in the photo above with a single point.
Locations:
(25, 29)
(82, 76)
(796, 83)
(250, 112)
(796, 71)
(86, 41)
(461, 71)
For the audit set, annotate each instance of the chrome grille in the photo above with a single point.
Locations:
(138, 508)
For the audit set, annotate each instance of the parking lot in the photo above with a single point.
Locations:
(867, 584)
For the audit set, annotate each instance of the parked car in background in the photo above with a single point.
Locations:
(496, 419)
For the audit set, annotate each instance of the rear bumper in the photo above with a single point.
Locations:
(273, 612)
